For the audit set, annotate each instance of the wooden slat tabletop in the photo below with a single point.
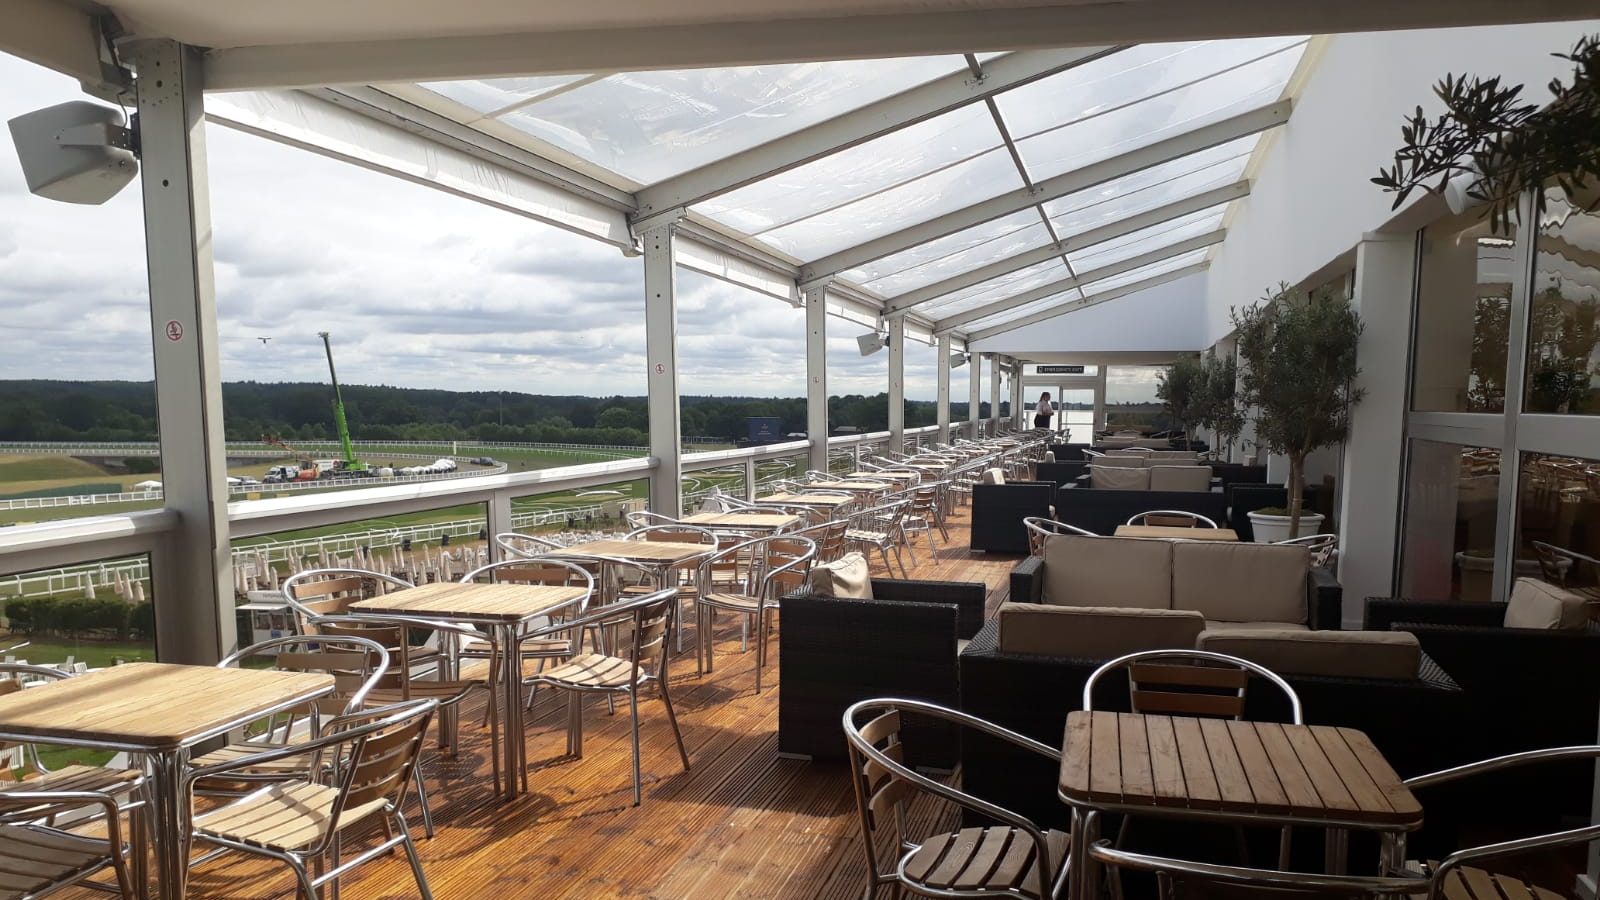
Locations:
(1167, 531)
(806, 499)
(506, 602)
(743, 520)
(153, 706)
(1310, 772)
(640, 551)
(858, 484)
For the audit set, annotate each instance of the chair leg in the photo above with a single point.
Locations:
(764, 626)
(422, 801)
(633, 711)
(575, 724)
(307, 888)
(411, 857)
(672, 719)
(334, 849)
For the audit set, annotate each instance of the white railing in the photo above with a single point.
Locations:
(256, 448)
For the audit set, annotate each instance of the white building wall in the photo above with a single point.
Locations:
(1313, 198)
(1167, 317)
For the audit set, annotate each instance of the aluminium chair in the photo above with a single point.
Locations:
(554, 646)
(881, 528)
(646, 624)
(770, 567)
(1015, 858)
(515, 544)
(1323, 547)
(356, 775)
(1041, 530)
(1172, 518)
(37, 860)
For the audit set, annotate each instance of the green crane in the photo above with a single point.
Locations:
(351, 464)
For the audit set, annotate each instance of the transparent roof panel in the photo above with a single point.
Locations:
(1154, 187)
(1143, 272)
(1128, 76)
(1026, 309)
(967, 241)
(1127, 128)
(649, 126)
(941, 191)
(499, 93)
(852, 174)
(1089, 293)
(1145, 240)
(1010, 244)
(996, 288)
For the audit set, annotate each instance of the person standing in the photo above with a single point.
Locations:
(1042, 411)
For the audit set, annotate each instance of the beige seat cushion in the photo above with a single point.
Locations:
(1112, 478)
(1539, 604)
(1231, 582)
(1095, 632)
(1232, 628)
(847, 576)
(1350, 654)
(1106, 571)
(1124, 462)
(1165, 477)
(993, 476)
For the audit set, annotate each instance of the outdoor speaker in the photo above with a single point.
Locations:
(77, 152)
(872, 343)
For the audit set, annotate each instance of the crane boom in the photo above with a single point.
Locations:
(349, 450)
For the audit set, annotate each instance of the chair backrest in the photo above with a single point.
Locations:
(357, 663)
(1171, 518)
(1165, 477)
(543, 570)
(524, 545)
(1041, 529)
(322, 592)
(829, 538)
(1323, 546)
(673, 534)
(16, 676)
(646, 519)
(1126, 461)
(1178, 879)
(773, 565)
(1189, 683)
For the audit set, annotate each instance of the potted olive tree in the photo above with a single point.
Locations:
(1299, 355)
(1219, 406)
(1182, 391)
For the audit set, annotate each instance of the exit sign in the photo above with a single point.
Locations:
(1060, 370)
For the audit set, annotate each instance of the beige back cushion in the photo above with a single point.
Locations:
(1106, 571)
(1232, 582)
(847, 576)
(1094, 632)
(1126, 462)
(1538, 604)
(1174, 457)
(993, 476)
(1352, 654)
(1130, 451)
(1112, 478)
(1180, 478)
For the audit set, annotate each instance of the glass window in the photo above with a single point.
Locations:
(1452, 495)
(1563, 340)
(1558, 521)
(653, 125)
(568, 517)
(1463, 318)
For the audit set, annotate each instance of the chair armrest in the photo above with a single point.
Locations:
(1324, 600)
(1382, 613)
(969, 598)
(1027, 581)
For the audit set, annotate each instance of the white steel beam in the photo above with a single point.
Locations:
(193, 588)
(661, 355)
(897, 385)
(59, 36)
(917, 104)
(760, 37)
(994, 392)
(974, 391)
(1092, 300)
(1110, 231)
(815, 298)
(1181, 145)
(942, 412)
(944, 326)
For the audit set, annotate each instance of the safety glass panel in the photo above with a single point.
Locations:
(969, 240)
(849, 175)
(498, 93)
(1153, 270)
(1019, 241)
(1128, 128)
(1128, 77)
(653, 125)
(902, 206)
(995, 288)
(1154, 187)
(1146, 239)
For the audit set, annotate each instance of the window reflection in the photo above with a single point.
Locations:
(1558, 520)
(1463, 318)
(1563, 341)
(1452, 495)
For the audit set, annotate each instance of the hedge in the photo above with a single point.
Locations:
(79, 616)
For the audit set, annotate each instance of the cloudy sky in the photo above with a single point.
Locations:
(418, 287)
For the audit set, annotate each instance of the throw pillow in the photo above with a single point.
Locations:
(848, 576)
(1538, 604)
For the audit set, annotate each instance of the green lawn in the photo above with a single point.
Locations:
(97, 654)
(43, 467)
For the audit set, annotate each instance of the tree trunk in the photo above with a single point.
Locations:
(1296, 493)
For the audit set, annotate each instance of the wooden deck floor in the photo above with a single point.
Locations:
(742, 823)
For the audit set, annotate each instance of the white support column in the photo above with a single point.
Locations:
(661, 354)
(194, 585)
(974, 392)
(1099, 404)
(498, 522)
(817, 373)
(1369, 508)
(994, 392)
(897, 384)
(942, 412)
(1017, 423)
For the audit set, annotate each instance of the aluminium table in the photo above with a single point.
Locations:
(744, 521)
(159, 711)
(1227, 771)
(506, 609)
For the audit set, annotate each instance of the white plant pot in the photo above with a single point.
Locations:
(1271, 529)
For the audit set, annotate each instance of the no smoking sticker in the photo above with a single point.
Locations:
(174, 330)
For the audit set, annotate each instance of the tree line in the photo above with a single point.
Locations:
(101, 411)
